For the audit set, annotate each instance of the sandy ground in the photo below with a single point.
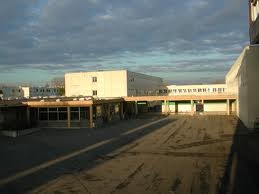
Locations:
(189, 154)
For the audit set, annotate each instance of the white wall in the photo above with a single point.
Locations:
(215, 106)
(108, 84)
(243, 77)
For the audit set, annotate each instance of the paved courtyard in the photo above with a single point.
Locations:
(175, 154)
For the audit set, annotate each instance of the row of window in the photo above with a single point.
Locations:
(47, 90)
(76, 113)
(197, 90)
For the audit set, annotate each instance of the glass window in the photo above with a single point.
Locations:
(94, 92)
(62, 115)
(43, 116)
(53, 116)
(94, 79)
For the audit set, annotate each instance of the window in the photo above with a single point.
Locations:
(199, 90)
(194, 90)
(94, 79)
(204, 89)
(214, 90)
(184, 90)
(189, 90)
(94, 92)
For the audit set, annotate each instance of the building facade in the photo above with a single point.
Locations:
(205, 89)
(29, 92)
(243, 79)
(111, 84)
(18, 92)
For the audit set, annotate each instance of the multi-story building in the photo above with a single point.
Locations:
(118, 83)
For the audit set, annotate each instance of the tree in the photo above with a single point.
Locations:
(58, 82)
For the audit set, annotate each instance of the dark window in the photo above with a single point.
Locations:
(94, 79)
(62, 115)
(53, 116)
(94, 92)
(43, 116)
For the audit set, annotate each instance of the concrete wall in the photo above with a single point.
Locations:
(143, 85)
(243, 78)
(215, 106)
(108, 84)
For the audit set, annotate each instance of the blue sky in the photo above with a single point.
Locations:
(194, 41)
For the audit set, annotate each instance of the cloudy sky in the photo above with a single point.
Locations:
(192, 41)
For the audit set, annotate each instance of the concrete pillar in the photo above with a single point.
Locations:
(202, 101)
(166, 104)
(228, 107)
(28, 117)
(109, 112)
(192, 106)
(121, 111)
(91, 116)
(68, 117)
(136, 108)
(176, 107)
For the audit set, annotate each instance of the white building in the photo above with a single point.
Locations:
(187, 106)
(118, 83)
(205, 89)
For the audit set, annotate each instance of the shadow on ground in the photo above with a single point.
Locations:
(242, 169)
(84, 161)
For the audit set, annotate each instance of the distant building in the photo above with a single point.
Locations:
(197, 89)
(118, 83)
(40, 91)
(11, 92)
(17, 92)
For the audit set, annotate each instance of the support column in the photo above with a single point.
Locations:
(68, 117)
(121, 111)
(28, 117)
(91, 116)
(136, 108)
(176, 107)
(228, 107)
(192, 106)
(166, 104)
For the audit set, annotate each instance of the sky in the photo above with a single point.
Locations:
(193, 41)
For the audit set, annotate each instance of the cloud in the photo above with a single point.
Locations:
(79, 34)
